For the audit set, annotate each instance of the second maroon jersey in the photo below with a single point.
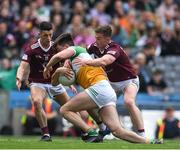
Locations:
(38, 57)
(121, 69)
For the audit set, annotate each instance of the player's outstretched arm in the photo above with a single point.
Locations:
(63, 55)
(54, 60)
(22, 73)
(98, 62)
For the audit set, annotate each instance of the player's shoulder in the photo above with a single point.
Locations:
(32, 47)
(93, 45)
(35, 45)
(92, 48)
(114, 45)
(114, 48)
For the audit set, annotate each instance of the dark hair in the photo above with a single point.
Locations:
(169, 109)
(45, 26)
(157, 72)
(64, 38)
(105, 30)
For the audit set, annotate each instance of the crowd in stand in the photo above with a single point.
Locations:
(144, 28)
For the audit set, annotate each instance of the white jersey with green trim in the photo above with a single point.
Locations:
(81, 53)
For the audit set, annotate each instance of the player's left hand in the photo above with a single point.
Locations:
(80, 61)
(67, 64)
(67, 72)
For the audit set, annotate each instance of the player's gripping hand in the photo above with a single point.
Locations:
(67, 64)
(18, 84)
(60, 71)
(67, 72)
(80, 61)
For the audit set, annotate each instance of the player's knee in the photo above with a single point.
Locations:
(63, 110)
(129, 102)
(37, 104)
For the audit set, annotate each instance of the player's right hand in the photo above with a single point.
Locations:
(18, 84)
(67, 64)
(80, 61)
(67, 72)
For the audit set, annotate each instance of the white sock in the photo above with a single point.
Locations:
(102, 126)
(142, 134)
(47, 134)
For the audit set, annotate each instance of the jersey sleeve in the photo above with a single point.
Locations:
(90, 49)
(114, 51)
(77, 50)
(26, 56)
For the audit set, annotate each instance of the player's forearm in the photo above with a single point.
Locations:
(20, 73)
(26, 74)
(54, 60)
(99, 62)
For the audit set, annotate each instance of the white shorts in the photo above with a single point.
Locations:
(102, 94)
(51, 90)
(120, 86)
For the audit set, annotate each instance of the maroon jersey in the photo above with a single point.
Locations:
(38, 57)
(121, 69)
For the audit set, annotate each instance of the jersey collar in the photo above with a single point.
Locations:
(44, 49)
(106, 47)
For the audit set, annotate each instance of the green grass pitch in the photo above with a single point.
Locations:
(23, 142)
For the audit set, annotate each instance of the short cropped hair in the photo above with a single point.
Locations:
(157, 72)
(45, 26)
(64, 38)
(105, 30)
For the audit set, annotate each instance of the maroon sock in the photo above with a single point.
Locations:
(141, 130)
(45, 130)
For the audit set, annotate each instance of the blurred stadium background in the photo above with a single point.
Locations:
(148, 30)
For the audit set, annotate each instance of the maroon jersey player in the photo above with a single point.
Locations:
(121, 69)
(120, 72)
(38, 57)
(34, 60)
